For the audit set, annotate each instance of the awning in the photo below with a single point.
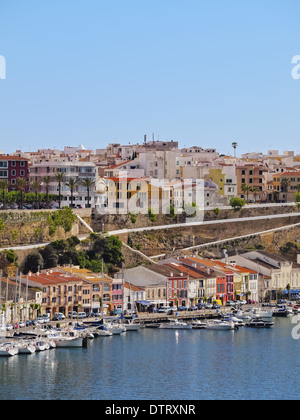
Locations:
(144, 302)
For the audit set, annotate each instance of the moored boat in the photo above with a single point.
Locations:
(175, 324)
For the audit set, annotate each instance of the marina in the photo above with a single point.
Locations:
(162, 364)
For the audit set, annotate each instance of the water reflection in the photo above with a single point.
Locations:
(162, 364)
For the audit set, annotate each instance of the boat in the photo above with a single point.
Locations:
(237, 322)
(132, 326)
(220, 325)
(41, 345)
(259, 323)
(242, 315)
(115, 328)
(8, 350)
(263, 314)
(198, 325)
(174, 324)
(102, 331)
(27, 347)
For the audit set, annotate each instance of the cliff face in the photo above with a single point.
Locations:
(26, 228)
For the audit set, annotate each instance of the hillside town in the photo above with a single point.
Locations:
(133, 177)
(159, 176)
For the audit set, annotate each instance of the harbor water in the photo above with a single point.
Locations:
(154, 364)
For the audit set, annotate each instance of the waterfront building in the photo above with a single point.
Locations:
(92, 296)
(275, 271)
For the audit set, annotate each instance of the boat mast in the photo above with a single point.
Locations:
(102, 306)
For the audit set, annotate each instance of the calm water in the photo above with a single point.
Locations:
(163, 365)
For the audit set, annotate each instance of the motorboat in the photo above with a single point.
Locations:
(115, 328)
(198, 325)
(242, 315)
(175, 324)
(237, 322)
(132, 326)
(102, 331)
(259, 323)
(262, 314)
(8, 350)
(41, 345)
(220, 325)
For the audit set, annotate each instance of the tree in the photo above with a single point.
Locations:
(21, 185)
(59, 178)
(4, 184)
(36, 185)
(245, 188)
(237, 203)
(87, 183)
(285, 182)
(254, 190)
(297, 199)
(72, 183)
(33, 262)
(47, 180)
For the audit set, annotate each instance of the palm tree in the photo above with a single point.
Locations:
(36, 185)
(47, 180)
(21, 184)
(72, 185)
(246, 189)
(87, 183)
(285, 182)
(59, 178)
(4, 184)
(255, 190)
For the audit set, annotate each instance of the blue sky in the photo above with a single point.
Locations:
(201, 73)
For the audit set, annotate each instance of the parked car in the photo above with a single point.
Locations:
(230, 303)
(182, 308)
(60, 314)
(57, 318)
(9, 327)
(72, 314)
(193, 308)
(208, 306)
(81, 315)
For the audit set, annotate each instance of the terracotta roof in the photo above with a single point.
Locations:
(8, 157)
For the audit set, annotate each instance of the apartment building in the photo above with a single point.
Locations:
(70, 168)
(285, 185)
(12, 168)
(254, 177)
(276, 271)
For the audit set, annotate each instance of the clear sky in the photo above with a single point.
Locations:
(203, 73)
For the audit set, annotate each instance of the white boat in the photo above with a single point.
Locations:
(263, 314)
(27, 347)
(242, 315)
(237, 321)
(132, 326)
(8, 350)
(102, 331)
(115, 329)
(174, 324)
(220, 325)
(41, 345)
(198, 325)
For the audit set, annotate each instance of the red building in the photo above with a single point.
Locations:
(12, 168)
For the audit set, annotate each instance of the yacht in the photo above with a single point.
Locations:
(174, 324)
(259, 323)
(132, 326)
(198, 325)
(115, 328)
(8, 350)
(27, 347)
(220, 325)
(263, 314)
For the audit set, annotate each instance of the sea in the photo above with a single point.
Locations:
(164, 365)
